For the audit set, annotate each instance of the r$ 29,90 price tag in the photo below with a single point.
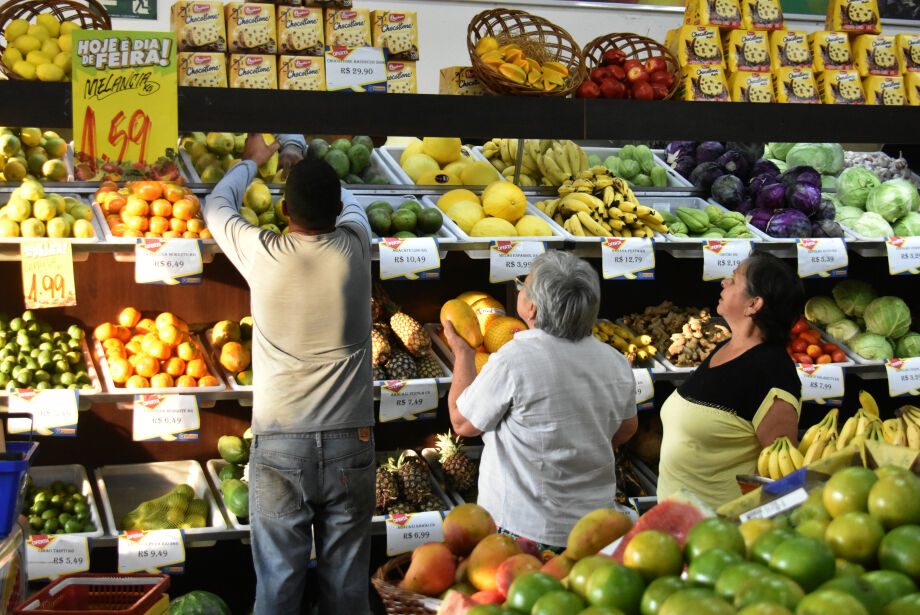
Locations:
(825, 257)
(156, 552)
(903, 376)
(47, 274)
(645, 389)
(406, 532)
(903, 255)
(821, 384)
(409, 259)
(628, 258)
(360, 69)
(722, 256)
(54, 412)
(51, 556)
(509, 259)
(167, 261)
(401, 400)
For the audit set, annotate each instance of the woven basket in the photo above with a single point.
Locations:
(398, 601)
(91, 16)
(636, 48)
(538, 38)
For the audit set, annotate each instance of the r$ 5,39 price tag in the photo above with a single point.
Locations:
(409, 259)
(722, 256)
(406, 532)
(156, 552)
(821, 384)
(51, 556)
(401, 400)
(628, 258)
(903, 255)
(822, 258)
(903, 376)
(167, 261)
(47, 274)
(509, 259)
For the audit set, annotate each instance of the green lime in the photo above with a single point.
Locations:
(67, 378)
(64, 517)
(16, 324)
(89, 526)
(36, 522)
(52, 526)
(75, 332)
(49, 513)
(28, 316)
(73, 526)
(38, 507)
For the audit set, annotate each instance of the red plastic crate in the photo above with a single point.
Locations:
(97, 594)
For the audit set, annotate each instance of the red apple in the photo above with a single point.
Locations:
(611, 88)
(628, 64)
(660, 90)
(617, 72)
(588, 89)
(613, 57)
(656, 64)
(643, 91)
(598, 74)
(663, 78)
(636, 74)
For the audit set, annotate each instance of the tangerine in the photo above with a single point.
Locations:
(172, 192)
(145, 325)
(171, 334)
(196, 368)
(178, 225)
(104, 331)
(133, 233)
(137, 223)
(129, 317)
(205, 234)
(135, 206)
(172, 234)
(195, 225)
(208, 381)
(175, 367)
(134, 347)
(112, 202)
(137, 382)
(159, 224)
(186, 381)
(112, 343)
(161, 207)
(122, 333)
(188, 351)
(190, 235)
(120, 370)
(116, 353)
(146, 365)
(148, 190)
(162, 380)
(185, 208)
(119, 230)
(159, 349)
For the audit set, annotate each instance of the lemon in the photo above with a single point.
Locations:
(37, 58)
(64, 42)
(58, 201)
(11, 56)
(478, 173)
(15, 29)
(443, 149)
(8, 228)
(39, 32)
(44, 210)
(32, 227)
(58, 227)
(82, 212)
(62, 61)
(417, 165)
(14, 170)
(50, 47)
(56, 171)
(68, 26)
(27, 43)
(83, 229)
(455, 167)
(30, 136)
(49, 23)
(466, 214)
(413, 148)
(24, 70)
(50, 72)
(454, 196)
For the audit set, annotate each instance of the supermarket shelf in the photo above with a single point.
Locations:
(486, 116)
(190, 541)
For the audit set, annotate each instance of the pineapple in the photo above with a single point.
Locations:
(459, 469)
(401, 365)
(427, 367)
(387, 487)
(380, 345)
(401, 508)
(412, 475)
(433, 502)
(379, 373)
(411, 333)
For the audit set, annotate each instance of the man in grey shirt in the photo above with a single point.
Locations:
(312, 457)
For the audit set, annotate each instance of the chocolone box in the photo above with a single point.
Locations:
(908, 52)
(348, 27)
(830, 50)
(887, 91)
(300, 30)
(397, 33)
(202, 69)
(841, 87)
(199, 26)
(699, 45)
(704, 83)
(460, 80)
(401, 78)
(789, 49)
(722, 13)
(762, 15)
(853, 16)
(795, 85)
(875, 54)
(912, 88)
(747, 51)
(251, 28)
(751, 87)
(253, 71)
(302, 73)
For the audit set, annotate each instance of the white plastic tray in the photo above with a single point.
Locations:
(675, 179)
(671, 204)
(43, 476)
(98, 224)
(390, 154)
(214, 357)
(855, 356)
(445, 233)
(90, 370)
(214, 467)
(130, 241)
(123, 488)
(382, 456)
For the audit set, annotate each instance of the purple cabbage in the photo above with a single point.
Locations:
(826, 211)
(728, 191)
(705, 174)
(735, 163)
(751, 151)
(746, 206)
(759, 218)
(789, 223)
(765, 167)
(804, 197)
(758, 182)
(801, 175)
(681, 156)
(826, 228)
(709, 151)
(771, 196)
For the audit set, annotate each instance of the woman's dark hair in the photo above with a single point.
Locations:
(312, 194)
(782, 291)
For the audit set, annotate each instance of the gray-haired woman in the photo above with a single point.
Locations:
(551, 404)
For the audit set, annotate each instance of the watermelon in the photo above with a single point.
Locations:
(671, 516)
(199, 602)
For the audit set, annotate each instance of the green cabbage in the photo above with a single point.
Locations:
(822, 310)
(825, 158)
(908, 226)
(848, 215)
(828, 182)
(893, 200)
(843, 329)
(780, 164)
(871, 224)
(854, 185)
(871, 346)
(779, 150)
(908, 346)
(888, 316)
(852, 296)
(832, 197)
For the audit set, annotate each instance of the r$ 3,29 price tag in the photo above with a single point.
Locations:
(722, 256)
(903, 255)
(822, 258)
(167, 261)
(401, 400)
(645, 389)
(628, 258)
(166, 418)
(156, 552)
(47, 274)
(821, 384)
(509, 259)
(406, 532)
(54, 412)
(51, 556)
(903, 376)
(409, 259)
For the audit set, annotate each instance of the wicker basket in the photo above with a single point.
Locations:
(91, 16)
(399, 601)
(538, 38)
(636, 48)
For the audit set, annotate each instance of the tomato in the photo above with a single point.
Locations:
(829, 348)
(800, 326)
(811, 336)
(813, 351)
(799, 346)
(838, 356)
(527, 589)
(769, 588)
(616, 586)
(657, 592)
(824, 358)
(802, 358)
(807, 561)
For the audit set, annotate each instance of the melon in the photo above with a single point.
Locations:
(480, 360)
(455, 196)
(501, 331)
(464, 321)
(486, 309)
(443, 149)
(199, 602)
(671, 516)
(504, 200)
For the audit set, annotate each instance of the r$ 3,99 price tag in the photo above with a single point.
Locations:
(822, 258)
(821, 384)
(156, 552)
(722, 256)
(509, 259)
(51, 556)
(903, 376)
(406, 532)
(409, 259)
(401, 400)
(167, 261)
(903, 255)
(47, 274)
(628, 258)
(645, 389)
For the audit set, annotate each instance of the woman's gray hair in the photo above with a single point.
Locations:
(567, 294)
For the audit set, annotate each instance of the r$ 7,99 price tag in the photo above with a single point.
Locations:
(645, 389)
(821, 384)
(47, 274)
(406, 532)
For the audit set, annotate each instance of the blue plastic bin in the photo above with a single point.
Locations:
(12, 484)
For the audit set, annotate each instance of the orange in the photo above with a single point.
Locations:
(148, 190)
(706, 569)
(205, 234)
(855, 536)
(175, 367)
(895, 500)
(177, 225)
(145, 325)
(116, 353)
(104, 188)
(137, 223)
(120, 369)
(171, 334)
(129, 317)
(172, 192)
(185, 209)
(190, 235)
(153, 235)
(172, 234)
(135, 206)
(654, 554)
(112, 343)
(188, 351)
(134, 348)
(235, 357)
(132, 358)
(146, 365)
(807, 561)
(104, 331)
(133, 233)
(112, 202)
(159, 349)
(119, 229)
(122, 333)
(848, 490)
(162, 381)
(147, 340)
(186, 381)
(196, 368)
(159, 224)
(137, 337)
(165, 318)
(196, 225)
(161, 207)
(112, 219)
(208, 381)
(614, 586)
(137, 382)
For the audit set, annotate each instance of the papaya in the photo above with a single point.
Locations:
(464, 320)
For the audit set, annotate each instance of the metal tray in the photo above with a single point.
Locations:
(97, 222)
(559, 234)
(856, 357)
(43, 476)
(90, 370)
(474, 452)
(214, 357)
(675, 179)
(651, 363)
(390, 154)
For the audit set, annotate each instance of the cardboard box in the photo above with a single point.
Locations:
(699, 46)
(789, 49)
(751, 87)
(251, 28)
(202, 69)
(875, 54)
(348, 27)
(888, 91)
(704, 83)
(199, 26)
(302, 73)
(253, 71)
(397, 33)
(853, 16)
(908, 46)
(795, 85)
(830, 51)
(301, 31)
(460, 81)
(747, 51)
(762, 15)
(401, 78)
(841, 87)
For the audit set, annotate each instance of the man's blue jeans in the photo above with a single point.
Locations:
(324, 480)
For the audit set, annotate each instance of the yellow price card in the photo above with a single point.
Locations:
(124, 96)
(47, 274)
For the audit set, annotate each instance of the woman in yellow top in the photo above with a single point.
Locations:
(744, 395)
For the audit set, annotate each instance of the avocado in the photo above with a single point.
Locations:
(380, 221)
(363, 140)
(404, 220)
(317, 149)
(412, 205)
(359, 157)
(430, 220)
(341, 144)
(338, 160)
(379, 205)
(404, 235)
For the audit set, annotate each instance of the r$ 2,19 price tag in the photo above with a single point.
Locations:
(903, 376)
(509, 259)
(166, 418)
(401, 400)
(628, 258)
(167, 261)
(645, 389)
(47, 274)
(51, 556)
(722, 256)
(156, 552)
(406, 532)
(822, 258)
(903, 255)
(409, 259)
(54, 412)
(821, 384)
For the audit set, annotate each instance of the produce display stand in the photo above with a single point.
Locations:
(378, 522)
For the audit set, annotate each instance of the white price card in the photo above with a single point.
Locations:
(155, 551)
(903, 255)
(903, 376)
(509, 259)
(406, 401)
(406, 532)
(628, 258)
(167, 261)
(722, 256)
(166, 418)
(414, 258)
(645, 389)
(821, 384)
(360, 69)
(48, 557)
(54, 412)
(777, 506)
(822, 258)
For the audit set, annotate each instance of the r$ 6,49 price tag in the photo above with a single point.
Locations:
(156, 552)
(47, 274)
(406, 532)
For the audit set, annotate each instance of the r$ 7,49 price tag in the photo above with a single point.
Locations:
(722, 256)
(47, 274)
(821, 384)
(401, 400)
(406, 532)
(51, 556)
(509, 259)
(156, 552)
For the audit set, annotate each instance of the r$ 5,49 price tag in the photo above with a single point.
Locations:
(47, 274)
(51, 556)
(821, 384)
(401, 400)
(156, 552)
(54, 412)
(509, 259)
(722, 256)
(406, 532)
(822, 258)
(903, 376)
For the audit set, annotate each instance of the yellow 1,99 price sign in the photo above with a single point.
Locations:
(47, 274)
(124, 96)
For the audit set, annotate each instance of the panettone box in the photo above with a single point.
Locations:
(795, 85)
(751, 87)
(789, 49)
(888, 91)
(199, 26)
(302, 73)
(202, 69)
(253, 71)
(841, 87)
(251, 28)
(459, 81)
(747, 51)
(830, 51)
(301, 31)
(875, 54)
(397, 33)
(348, 28)
(402, 77)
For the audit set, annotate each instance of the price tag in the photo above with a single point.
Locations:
(409, 259)
(54, 412)
(509, 259)
(156, 552)
(125, 96)
(628, 258)
(166, 418)
(822, 258)
(722, 256)
(903, 255)
(821, 384)
(903, 376)
(406, 532)
(645, 389)
(167, 261)
(777, 506)
(361, 69)
(47, 274)
(51, 556)
(406, 401)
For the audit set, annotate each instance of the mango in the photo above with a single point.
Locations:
(487, 556)
(465, 526)
(512, 568)
(431, 570)
(595, 531)
(559, 566)
(464, 321)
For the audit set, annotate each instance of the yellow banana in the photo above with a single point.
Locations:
(786, 466)
(562, 159)
(812, 434)
(505, 152)
(890, 429)
(847, 432)
(551, 207)
(775, 472)
(763, 461)
(571, 152)
(863, 423)
(912, 434)
(588, 199)
(831, 447)
(575, 226)
(628, 207)
(582, 156)
(656, 226)
(607, 195)
(867, 403)
(815, 449)
(798, 460)
(553, 171)
(603, 181)
(557, 218)
(590, 225)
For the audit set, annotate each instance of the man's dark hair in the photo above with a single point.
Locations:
(313, 194)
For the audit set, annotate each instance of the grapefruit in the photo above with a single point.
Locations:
(714, 533)
(854, 536)
(807, 561)
(900, 551)
(707, 568)
(657, 592)
(848, 490)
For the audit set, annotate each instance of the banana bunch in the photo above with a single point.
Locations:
(634, 347)
(544, 162)
(597, 204)
(862, 425)
(820, 440)
(904, 429)
(779, 459)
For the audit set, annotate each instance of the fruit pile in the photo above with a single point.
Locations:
(512, 63)
(89, 169)
(234, 482)
(805, 346)
(232, 344)
(635, 164)
(29, 150)
(151, 208)
(351, 159)
(403, 486)
(57, 509)
(711, 222)
(212, 154)
(177, 509)
(501, 211)
(39, 50)
(142, 352)
(684, 336)
(636, 348)
(544, 162)
(35, 356)
(481, 320)
(401, 347)
(31, 212)
(444, 161)
(619, 77)
(409, 219)
(259, 210)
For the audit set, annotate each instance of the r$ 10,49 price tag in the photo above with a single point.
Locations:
(722, 256)
(401, 400)
(509, 259)
(406, 532)
(822, 258)
(51, 556)
(47, 274)
(409, 259)
(156, 552)
(821, 384)
(903, 376)
(167, 261)
(903, 255)
(628, 258)
(645, 389)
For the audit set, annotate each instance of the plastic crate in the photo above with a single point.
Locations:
(98, 594)
(13, 479)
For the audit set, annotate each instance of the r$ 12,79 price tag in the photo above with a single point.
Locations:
(509, 259)
(47, 274)
(406, 532)
(409, 259)
(822, 258)
(821, 384)
(167, 261)
(903, 376)
(722, 256)
(51, 556)
(628, 258)
(401, 400)
(156, 552)
(903, 255)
